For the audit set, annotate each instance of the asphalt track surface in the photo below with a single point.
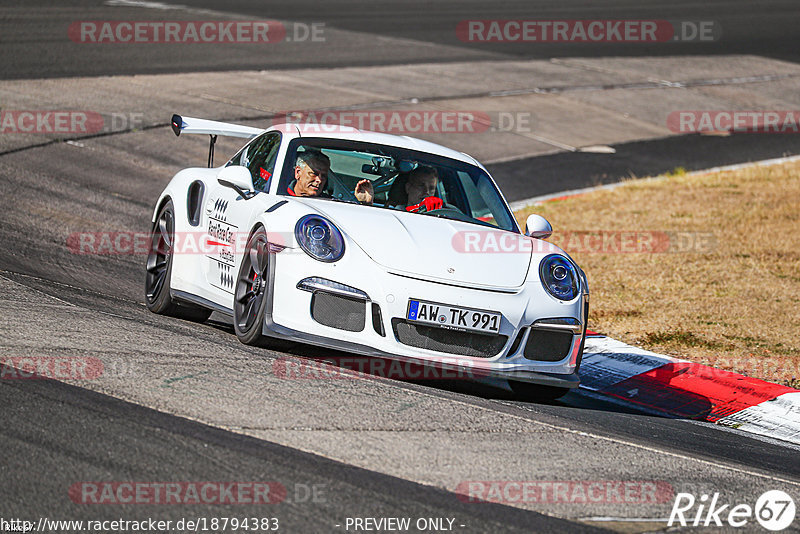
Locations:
(55, 434)
(35, 42)
(149, 445)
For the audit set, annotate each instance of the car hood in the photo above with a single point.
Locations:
(434, 248)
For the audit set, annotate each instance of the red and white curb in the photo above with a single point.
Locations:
(679, 388)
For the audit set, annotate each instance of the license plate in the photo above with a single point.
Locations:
(453, 317)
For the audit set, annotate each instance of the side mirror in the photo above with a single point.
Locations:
(238, 178)
(538, 227)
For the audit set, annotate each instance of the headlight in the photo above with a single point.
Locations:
(559, 277)
(319, 238)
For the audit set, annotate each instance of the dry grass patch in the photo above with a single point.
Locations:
(729, 296)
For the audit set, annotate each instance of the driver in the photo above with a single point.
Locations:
(311, 175)
(421, 188)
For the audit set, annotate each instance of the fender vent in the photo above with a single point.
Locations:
(194, 202)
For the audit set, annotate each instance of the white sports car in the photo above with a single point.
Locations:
(374, 244)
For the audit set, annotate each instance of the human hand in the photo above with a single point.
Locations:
(429, 203)
(364, 192)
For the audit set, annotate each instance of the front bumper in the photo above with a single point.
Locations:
(525, 310)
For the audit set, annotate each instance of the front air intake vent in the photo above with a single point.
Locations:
(339, 312)
(547, 345)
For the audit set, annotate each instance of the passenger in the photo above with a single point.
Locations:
(311, 175)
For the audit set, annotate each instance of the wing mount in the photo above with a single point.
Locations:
(192, 125)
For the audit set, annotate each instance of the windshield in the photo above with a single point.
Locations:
(401, 179)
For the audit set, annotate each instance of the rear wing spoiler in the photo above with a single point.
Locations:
(191, 125)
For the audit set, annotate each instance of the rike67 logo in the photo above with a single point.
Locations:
(774, 510)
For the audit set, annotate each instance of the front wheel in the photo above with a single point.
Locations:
(250, 299)
(159, 271)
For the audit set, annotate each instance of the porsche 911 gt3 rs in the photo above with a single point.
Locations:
(315, 260)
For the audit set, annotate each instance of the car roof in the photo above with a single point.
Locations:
(328, 131)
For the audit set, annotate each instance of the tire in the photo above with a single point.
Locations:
(250, 297)
(158, 271)
(526, 391)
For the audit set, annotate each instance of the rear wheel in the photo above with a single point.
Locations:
(250, 299)
(159, 271)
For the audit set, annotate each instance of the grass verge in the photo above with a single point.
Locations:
(705, 268)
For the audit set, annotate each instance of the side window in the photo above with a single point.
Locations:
(259, 156)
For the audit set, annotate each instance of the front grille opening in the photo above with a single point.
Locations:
(448, 341)
(377, 320)
(339, 312)
(548, 346)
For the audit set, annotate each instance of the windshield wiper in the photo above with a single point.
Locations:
(440, 215)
